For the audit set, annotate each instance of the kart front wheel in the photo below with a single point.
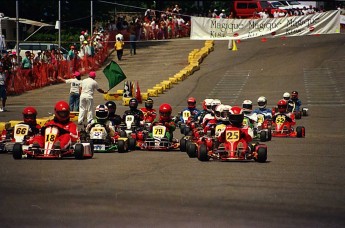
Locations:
(121, 146)
(192, 150)
(263, 136)
(300, 132)
(262, 154)
(17, 151)
(183, 143)
(132, 143)
(79, 151)
(202, 153)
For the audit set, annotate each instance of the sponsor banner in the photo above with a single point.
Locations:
(204, 28)
(342, 19)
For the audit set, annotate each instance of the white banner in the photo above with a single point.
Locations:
(204, 28)
(342, 19)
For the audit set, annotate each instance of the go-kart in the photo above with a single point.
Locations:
(208, 139)
(18, 134)
(51, 133)
(235, 148)
(158, 140)
(261, 131)
(6, 138)
(101, 141)
(135, 134)
(281, 127)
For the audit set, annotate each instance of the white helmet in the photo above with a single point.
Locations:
(208, 104)
(262, 102)
(215, 103)
(247, 106)
(286, 96)
(222, 112)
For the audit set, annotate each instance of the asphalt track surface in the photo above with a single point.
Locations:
(301, 185)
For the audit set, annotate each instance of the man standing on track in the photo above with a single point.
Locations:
(88, 86)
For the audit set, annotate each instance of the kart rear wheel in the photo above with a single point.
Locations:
(17, 151)
(183, 143)
(132, 143)
(121, 146)
(186, 130)
(269, 134)
(304, 112)
(123, 134)
(300, 132)
(203, 153)
(263, 136)
(192, 150)
(262, 154)
(182, 126)
(79, 151)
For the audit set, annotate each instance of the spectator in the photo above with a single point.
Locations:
(3, 93)
(82, 38)
(88, 86)
(26, 62)
(74, 93)
(132, 39)
(222, 14)
(119, 44)
(70, 55)
(119, 35)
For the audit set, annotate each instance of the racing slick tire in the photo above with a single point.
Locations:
(191, 150)
(121, 146)
(183, 144)
(182, 126)
(269, 134)
(262, 154)
(17, 151)
(132, 143)
(263, 136)
(79, 151)
(202, 153)
(123, 134)
(300, 131)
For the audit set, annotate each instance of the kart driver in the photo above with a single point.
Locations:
(114, 118)
(291, 105)
(29, 117)
(166, 120)
(61, 120)
(133, 110)
(236, 116)
(282, 110)
(247, 107)
(149, 112)
(206, 109)
(295, 100)
(102, 113)
(262, 102)
(192, 108)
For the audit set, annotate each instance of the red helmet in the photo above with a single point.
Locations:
(92, 74)
(294, 95)
(29, 115)
(165, 112)
(236, 115)
(191, 102)
(62, 111)
(282, 106)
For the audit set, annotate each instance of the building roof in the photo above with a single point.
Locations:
(30, 22)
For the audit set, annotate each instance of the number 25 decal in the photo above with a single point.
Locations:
(232, 136)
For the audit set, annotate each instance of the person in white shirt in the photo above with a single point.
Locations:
(88, 86)
(119, 35)
(74, 93)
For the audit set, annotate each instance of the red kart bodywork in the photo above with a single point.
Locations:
(281, 127)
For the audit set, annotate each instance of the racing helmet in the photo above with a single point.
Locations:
(62, 111)
(286, 96)
(247, 106)
(207, 104)
(133, 103)
(262, 102)
(282, 106)
(102, 112)
(149, 103)
(236, 115)
(191, 102)
(165, 112)
(294, 95)
(214, 104)
(29, 115)
(111, 107)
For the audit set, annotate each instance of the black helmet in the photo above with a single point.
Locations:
(149, 103)
(133, 103)
(101, 112)
(111, 106)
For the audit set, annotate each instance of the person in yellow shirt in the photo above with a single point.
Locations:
(119, 44)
